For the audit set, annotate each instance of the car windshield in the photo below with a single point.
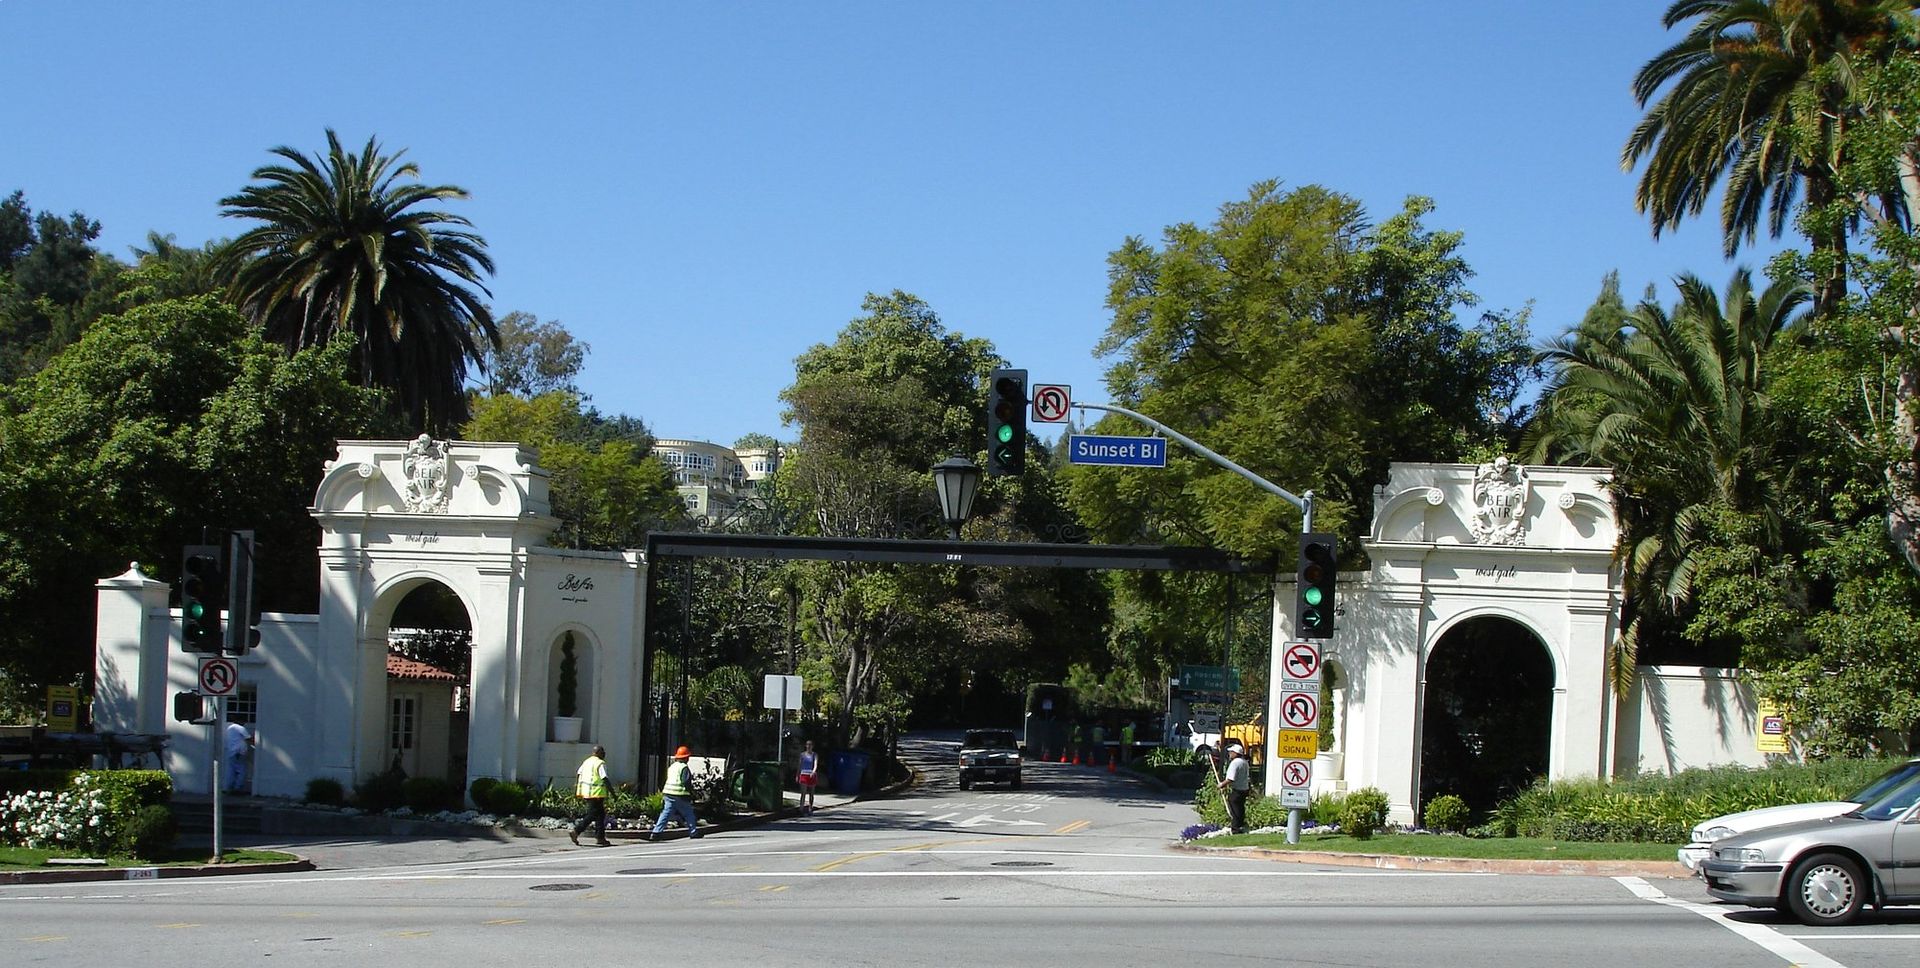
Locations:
(1887, 781)
(989, 739)
(1894, 802)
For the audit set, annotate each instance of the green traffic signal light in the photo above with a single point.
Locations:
(1312, 596)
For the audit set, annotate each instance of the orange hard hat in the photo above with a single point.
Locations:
(682, 753)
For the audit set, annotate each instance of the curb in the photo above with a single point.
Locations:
(152, 873)
(1464, 865)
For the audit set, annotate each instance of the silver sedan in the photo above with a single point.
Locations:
(1824, 871)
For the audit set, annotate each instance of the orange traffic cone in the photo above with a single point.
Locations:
(1063, 756)
(1076, 756)
(1113, 758)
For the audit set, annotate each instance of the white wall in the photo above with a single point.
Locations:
(1678, 717)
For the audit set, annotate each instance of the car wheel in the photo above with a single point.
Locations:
(965, 783)
(1826, 889)
(1016, 781)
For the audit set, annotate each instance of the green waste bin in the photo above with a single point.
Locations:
(757, 784)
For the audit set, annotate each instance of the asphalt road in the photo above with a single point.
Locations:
(1072, 871)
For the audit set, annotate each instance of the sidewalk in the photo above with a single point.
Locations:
(345, 842)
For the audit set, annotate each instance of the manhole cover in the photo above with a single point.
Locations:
(652, 870)
(559, 887)
(1022, 863)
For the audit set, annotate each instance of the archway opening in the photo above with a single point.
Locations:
(429, 684)
(1487, 725)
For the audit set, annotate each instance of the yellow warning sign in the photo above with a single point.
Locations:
(1298, 744)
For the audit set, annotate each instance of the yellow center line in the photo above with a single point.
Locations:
(178, 924)
(41, 938)
(1074, 827)
(506, 921)
(411, 934)
(774, 887)
(909, 848)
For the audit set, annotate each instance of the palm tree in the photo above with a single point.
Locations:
(1676, 403)
(1757, 91)
(342, 248)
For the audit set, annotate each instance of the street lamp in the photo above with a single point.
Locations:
(957, 480)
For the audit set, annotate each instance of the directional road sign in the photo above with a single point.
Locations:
(1050, 402)
(1117, 451)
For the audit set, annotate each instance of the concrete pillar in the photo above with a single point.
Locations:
(130, 655)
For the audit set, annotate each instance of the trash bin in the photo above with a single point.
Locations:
(757, 784)
(848, 766)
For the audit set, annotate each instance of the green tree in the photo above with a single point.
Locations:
(606, 490)
(51, 281)
(160, 421)
(343, 246)
(1757, 92)
(1676, 403)
(894, 394)
(534, 357)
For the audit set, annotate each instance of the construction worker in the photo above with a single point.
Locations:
(1235, 786)
(1078, 742)
(590, 785)
(1099, 742)
(677, 795)
(1126, 742)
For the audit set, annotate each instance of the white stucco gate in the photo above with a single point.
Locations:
(394, 515)
(1451, 543)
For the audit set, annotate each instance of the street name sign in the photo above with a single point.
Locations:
(1117, 451)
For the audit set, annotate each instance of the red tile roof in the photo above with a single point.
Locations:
(401, 667)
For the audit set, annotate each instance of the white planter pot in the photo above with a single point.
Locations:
(1330, 766)
(566, 729)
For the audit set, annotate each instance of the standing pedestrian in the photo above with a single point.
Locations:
(239, 746)
(1236, 784)
(590, 785)
(1099, 743)
(1126, 742)
(677, 795)
(809, 776)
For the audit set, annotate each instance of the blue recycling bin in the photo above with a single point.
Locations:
(848, 767)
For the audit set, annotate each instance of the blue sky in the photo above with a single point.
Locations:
(703, 191)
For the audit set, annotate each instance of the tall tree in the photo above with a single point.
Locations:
(344, 247)
(53, 283)
(534, 357)
(159, 421)
(1676, 403)
(1757, 92)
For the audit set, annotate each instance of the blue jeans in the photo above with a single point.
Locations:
(681, 807)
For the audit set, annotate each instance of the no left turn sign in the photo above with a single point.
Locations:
(218, 676)
(1050, 402)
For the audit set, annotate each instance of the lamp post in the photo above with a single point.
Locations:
(957, 480)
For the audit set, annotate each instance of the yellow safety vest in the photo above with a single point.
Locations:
(679, 780)
(592, 781)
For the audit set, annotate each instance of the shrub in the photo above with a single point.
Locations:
(1364, 813)
(427, 794)
(1447, 813)
(148, 833)
(479, 790)
(326, 791)
(381, 791)
(507, 798)
(624, 803)
(73, 820)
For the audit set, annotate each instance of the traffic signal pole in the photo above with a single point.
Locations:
(1303, 502)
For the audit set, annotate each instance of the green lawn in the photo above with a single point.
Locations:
(20, 858)
(1432, 845)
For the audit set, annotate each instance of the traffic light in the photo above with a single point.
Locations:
(1007, 423)
(190, 707)
(202, 585)
(243, 598)
(1313, 608)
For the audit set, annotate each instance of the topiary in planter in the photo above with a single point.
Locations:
(1364, 813)
(1447, 813)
